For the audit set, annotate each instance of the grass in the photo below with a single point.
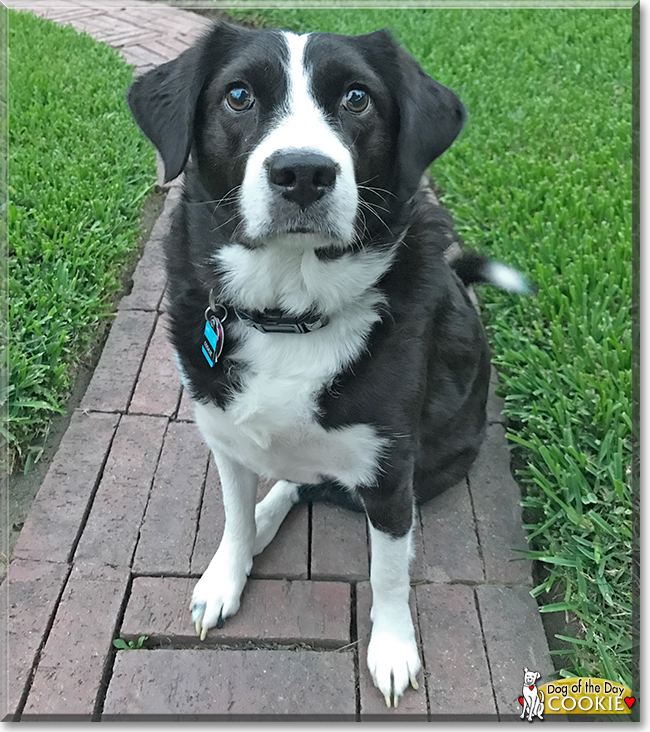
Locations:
(541, 179)
(79, 171)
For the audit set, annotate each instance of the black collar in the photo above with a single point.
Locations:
(276, 321)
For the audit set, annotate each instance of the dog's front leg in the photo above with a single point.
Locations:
(393, 658)
(217, 594)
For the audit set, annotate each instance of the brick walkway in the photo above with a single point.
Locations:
(130, 514)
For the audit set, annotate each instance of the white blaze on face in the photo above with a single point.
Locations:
(301, 126)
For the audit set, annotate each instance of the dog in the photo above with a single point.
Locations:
(323, 337)
(533, 698)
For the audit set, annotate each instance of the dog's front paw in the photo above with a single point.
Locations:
(393, 662)
(217, 594)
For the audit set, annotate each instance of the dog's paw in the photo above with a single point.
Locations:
(393, 662)
(217, 594)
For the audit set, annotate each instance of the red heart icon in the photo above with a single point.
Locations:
(629, 700)
(532, 687)
(521, 700)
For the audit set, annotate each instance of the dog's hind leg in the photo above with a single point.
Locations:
(217, 593)
(271, 511)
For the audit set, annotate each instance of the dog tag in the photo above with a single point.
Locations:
(213, 337)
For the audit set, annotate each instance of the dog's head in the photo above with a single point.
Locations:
(530, 677)
(312, 137)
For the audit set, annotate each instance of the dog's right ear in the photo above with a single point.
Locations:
(163, 102)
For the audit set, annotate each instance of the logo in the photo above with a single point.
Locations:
(531, 698)
(583, 695)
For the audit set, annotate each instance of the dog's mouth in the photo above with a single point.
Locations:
(305, 228)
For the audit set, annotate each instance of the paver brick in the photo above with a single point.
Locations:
(287, 556)
(211, 521)
(496, 497)
(232, 684)
(457, 670)
(149, 276)
(72, 663)
(272, 611)
(159, 388)
(413, 704)
(170, 521)
(112, 383)
(515, 638)
(418, 569)
(494, 403)
(158, 608)
(186, 408)
(449, 537)
(54, 518)
(29, 597)
(111, 531)
(339, 544)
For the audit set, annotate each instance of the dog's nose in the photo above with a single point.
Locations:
(301, 176)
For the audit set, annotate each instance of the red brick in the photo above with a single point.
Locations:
(211, 522)
(449, 536)
(55, 516)
(272, 611)
(29, 597)
(170, 522)
(159, 48)
(72, 664)
(158, 607)
(496, 497)
(186, 408)
(148, 279)
(515, 638)
(144, 55)
(418, 570)
(116, 373)
(159, 388)
(456, 666)
(413, 704)
(111, 531)
(125, 37)
(288, 553)
(232, 684)
(284, 558)
(339, 544)
(495, 403)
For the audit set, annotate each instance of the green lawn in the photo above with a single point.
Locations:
(79, 171)
(541, 179)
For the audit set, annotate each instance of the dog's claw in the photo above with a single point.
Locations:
(387, 697)
(197, 625)
(414, 683)
(204, 632)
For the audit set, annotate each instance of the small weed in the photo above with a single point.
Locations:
(123, 645)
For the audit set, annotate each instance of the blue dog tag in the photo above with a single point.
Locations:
(213, 337)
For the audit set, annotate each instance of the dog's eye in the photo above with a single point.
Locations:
(356, 101)
(239, 99)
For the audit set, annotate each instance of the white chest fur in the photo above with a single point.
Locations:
(270, 425)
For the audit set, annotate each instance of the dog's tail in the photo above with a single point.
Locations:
(473, 267)
(329, 491)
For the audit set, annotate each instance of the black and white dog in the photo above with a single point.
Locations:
(323, 337)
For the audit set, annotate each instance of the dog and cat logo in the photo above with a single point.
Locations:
(572, 696)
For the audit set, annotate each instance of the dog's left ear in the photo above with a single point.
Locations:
(538, 675)
(431, 117)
